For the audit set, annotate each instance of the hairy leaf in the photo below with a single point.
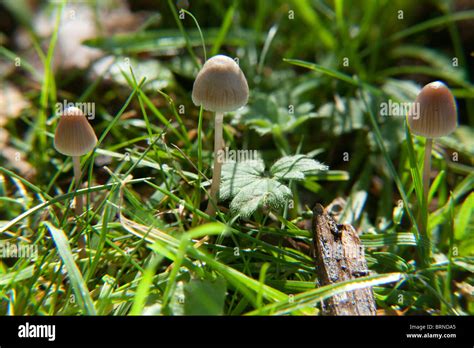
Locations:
(263, 192)
(237, 175)
(296, 167)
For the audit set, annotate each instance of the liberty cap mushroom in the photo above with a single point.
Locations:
(436, 117)
(75, 137)
(220, 87)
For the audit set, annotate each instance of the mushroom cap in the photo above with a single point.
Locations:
(74, 135)
(437, 114)
(220, 86)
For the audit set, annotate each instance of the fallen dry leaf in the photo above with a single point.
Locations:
(16, 159)
(12, 103)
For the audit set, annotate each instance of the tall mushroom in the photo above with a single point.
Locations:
(75, 137)
(436, 117)
(219, 87)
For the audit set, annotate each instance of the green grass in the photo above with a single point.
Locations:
(151, 247)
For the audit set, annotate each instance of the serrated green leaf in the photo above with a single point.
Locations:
(263, 192)
(237, 175)
(296, 167)
(250, 190)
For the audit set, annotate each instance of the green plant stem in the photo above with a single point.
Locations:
(281, 141)
(183, 31)
(216, 173)
(78, 205)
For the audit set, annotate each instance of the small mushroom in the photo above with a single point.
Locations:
(75, 137)
(436, 116)
(220, 87)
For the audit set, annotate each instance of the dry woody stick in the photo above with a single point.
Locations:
(339, 257)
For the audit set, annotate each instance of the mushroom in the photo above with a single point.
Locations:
(75, 137)
(436, 116)
(219, 87)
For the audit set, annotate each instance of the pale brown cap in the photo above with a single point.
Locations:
(74, 135)
(437, 114)
(220, 86)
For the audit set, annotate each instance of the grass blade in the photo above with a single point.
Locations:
(312, 297)
(333, 73)
(79, 286)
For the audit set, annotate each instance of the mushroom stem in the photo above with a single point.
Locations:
(78, 205)
(423, 216)
(427, 169)
(216, 174)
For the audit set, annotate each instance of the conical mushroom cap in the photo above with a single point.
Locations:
(74, 135)
(220, 86)
(437, 114)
